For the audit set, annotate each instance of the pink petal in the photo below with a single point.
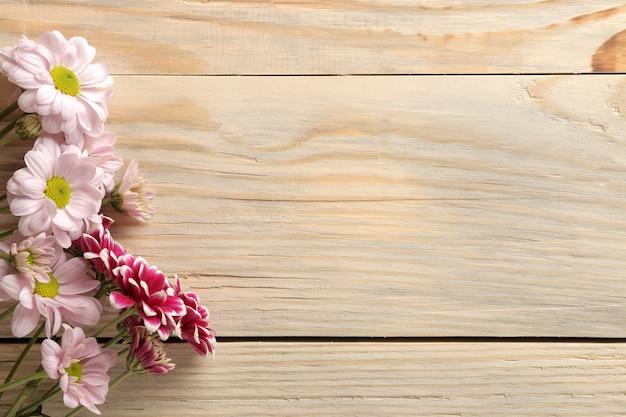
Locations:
(50, 351)
(24, 321)
(27, 101)
(25, 206)
(84, 51)
(51, 123)
(64, 222)
(119, 301)
(34, 223)
(39, 164)
(80, 310)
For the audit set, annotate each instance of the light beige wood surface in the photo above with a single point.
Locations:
(385, 206)
(399, 379)
(336, 37)
(381, 205)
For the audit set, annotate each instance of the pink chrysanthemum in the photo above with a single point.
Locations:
(147, 352)
(101, 149)
(30, 256)
(4, 271)
(60, 83)
(99, 247)
(194, 326)
(81, 367)
(64, 296)
(147, 289)
(58, 192)
(131, 196)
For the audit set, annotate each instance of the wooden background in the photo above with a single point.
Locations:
(391, 207)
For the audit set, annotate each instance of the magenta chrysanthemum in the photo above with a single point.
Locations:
(81, 367)
(60, 83)
(194, 326)
(58, 192)
(147, 289)
(147, 352)
(99, 247)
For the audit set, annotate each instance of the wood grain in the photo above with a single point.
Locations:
(335, 37)
(385, 206)
(390, 379)
(403, 203)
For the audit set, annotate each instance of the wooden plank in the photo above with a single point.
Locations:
(391, 379)
(385, 206)
(335, 37)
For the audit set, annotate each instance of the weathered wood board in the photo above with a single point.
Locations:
(385, 206)
(390, 379)
(336, 37)
(463, 177)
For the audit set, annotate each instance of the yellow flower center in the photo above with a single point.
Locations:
(65, 80)
(47, 289)
(59, 191)
(75, 369)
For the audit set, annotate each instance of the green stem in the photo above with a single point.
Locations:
(129, 312)
(18, 402)
(7, 234)
(113, 341)
(8, 313)
(8, 110)
(8, 128)
(104, 288)
(3, 197)
(18, 382)
(19, 360)
(112, 385)
(28, 411)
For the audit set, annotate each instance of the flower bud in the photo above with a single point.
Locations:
(147, 353)
(28, 127)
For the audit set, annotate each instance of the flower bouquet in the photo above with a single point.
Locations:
(60, 264)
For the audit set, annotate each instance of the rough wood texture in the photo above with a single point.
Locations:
(399, 379)
(385, 206)
(380, 205)
(336, 37)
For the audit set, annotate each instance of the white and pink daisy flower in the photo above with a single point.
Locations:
(147, 289)
(194, 326)
(58, 192)
(66, 295)
(131, 196)
(101, 149)
(81, 367)
(60, 83)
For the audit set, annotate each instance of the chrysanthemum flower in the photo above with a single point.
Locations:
(4, 268)
(58, 192)
(30, 256)
(194, 326)
(60, 83)
(101, 149)
(64, 296)
(147, 352)
(99, 247)
(148, 290)
(131, 196)
(81, 367)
